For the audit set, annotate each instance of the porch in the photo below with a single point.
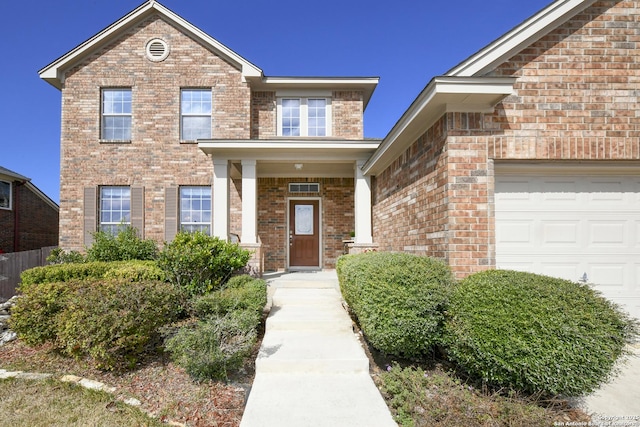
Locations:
(291, 202)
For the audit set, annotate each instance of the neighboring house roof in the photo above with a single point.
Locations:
(466, 86)
(54, 72)
(9, 174)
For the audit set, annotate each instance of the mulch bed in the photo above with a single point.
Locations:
(164, 389)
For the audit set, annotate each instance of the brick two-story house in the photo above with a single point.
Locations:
(28, 217)
(525, 155)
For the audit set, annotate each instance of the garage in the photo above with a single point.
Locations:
(576, 222)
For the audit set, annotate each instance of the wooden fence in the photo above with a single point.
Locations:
(13, 264)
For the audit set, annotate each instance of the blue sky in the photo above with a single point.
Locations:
(404, 42)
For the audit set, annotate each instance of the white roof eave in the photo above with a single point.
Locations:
(442, 95)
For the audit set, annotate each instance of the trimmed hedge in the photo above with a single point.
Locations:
(130, 270)
(110, 320)
(398, 299)
(534, 333)
(34, 315)
(114, 321)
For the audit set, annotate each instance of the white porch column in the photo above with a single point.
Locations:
(249, 202)
(362, 206)
(221, 198)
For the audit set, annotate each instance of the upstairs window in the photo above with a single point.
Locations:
(304, 116)
(115, 209)
(195, 209)
(5, 195)
(116, 115)
(195, 114)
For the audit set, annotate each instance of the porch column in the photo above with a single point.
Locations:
(362, 206)
(249, 202)
(221, 198)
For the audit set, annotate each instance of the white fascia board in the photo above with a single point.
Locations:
(442, 95)
(520, 37)
(290, 149)
(54, 72)
(366, 84)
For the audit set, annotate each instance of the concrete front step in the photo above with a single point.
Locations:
(311, 318)
(306, 284)
(350, 400)
(312, 296)
(311, 352)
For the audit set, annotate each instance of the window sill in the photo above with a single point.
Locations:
(114, 141)
(183, 141)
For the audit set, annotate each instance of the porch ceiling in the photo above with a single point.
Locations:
(299, 169)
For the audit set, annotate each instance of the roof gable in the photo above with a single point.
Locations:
(519, 38)
(468, 87)
(54, 72)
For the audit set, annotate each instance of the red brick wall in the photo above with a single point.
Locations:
(347, 110)
(155, 158)
(575, 99)
(263, 115)
(37, 222)
(410, 200)
(337, 217)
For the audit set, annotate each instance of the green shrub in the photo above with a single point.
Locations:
(135, 271)
(34, 316)
(534, 333)
(398, 299)
(63, 273)
(241, 293)
(199, 263)
(60, 256)
(132, 270)
(114, 321)
(125, 246)
(210, 349)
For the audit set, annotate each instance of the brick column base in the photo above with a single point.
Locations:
(255, 266)
(358, 248)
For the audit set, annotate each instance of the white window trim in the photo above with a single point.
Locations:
(183, 115)
(103, 115)
(100, 200)
(180, 223)
(304, 113)
(10, 195)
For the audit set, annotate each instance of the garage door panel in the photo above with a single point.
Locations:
(569, 226)
(608, 233)
(560, 233)
(515, 233)
(611, 275)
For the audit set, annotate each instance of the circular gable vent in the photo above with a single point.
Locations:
(157, 50)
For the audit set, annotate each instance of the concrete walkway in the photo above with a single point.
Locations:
(311, 369)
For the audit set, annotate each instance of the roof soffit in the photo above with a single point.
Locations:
(54, 72)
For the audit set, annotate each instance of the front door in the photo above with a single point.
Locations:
(304, 233)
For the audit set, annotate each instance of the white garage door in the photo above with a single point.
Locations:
(581, 228)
